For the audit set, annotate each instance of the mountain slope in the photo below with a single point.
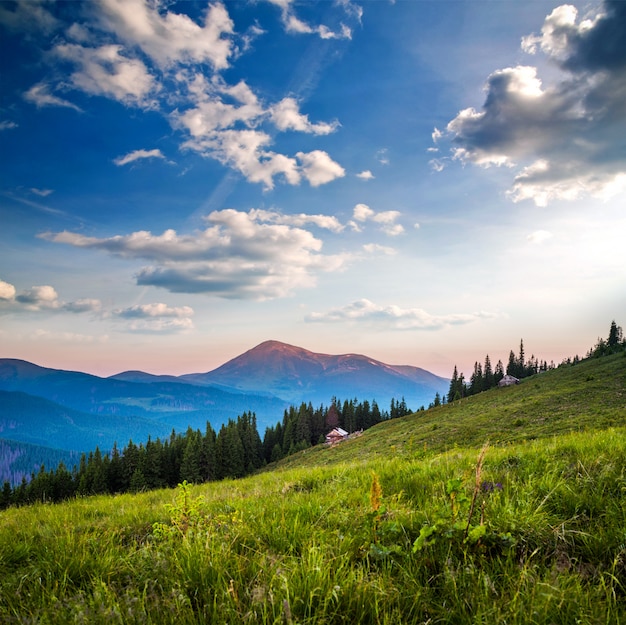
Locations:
(38, 421)
(175, 404)
(297, 374)
(588, 396)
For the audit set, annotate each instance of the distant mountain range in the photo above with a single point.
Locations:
(75, 411)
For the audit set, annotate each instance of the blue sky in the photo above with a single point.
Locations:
(423, 182)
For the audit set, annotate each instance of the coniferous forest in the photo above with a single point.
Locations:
(234, 451)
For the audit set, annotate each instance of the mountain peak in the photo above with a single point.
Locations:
(297, 374)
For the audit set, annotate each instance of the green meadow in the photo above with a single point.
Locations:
(506, 507)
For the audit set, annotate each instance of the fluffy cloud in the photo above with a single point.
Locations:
(106, 71)
(318, 168)
(157, 318)
(7, 125)
(43, 297)
(136, 155)
(224, 124)
(7, 291)
(386, 219)
(169, 38)
(286, 116)
(560, 138)
(394, 317)
(38, 297)
(239, 256)
(365, 175)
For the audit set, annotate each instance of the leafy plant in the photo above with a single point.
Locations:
(456, 524)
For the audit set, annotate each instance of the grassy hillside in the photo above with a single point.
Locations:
(413, 522)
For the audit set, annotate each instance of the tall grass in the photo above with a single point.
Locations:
(298, 546)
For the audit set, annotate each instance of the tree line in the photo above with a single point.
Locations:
(234, 451)
(484, 377)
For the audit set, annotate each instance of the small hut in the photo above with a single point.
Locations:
(336, 435)
(508, 380)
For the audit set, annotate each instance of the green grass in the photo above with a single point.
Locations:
(309, 541)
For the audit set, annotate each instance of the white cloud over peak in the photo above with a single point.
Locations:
(136, 155)
(559, 138)
(394, 317)
(239, 256)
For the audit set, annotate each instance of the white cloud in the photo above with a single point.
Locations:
(44, 297)
(39, 297)
(395, 317)
(148, 311)
(539, 236)
(318, 168)
(106, 71)
(83, 305)
(136, 155)
(562, 139)
(286, 116)
(7, 125)
(169, 38)
(40, 96)
(215, 123)
(386, 219)
(41, 192)
(365, 175)
(239, 256)
(157, 318)
(375, 248)
(328, 222)
(294, 24)
(7, 291)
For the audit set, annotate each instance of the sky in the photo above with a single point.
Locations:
(424, 182)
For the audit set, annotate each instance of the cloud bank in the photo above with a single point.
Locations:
(394, 317)
(558, 138)
(255, 255)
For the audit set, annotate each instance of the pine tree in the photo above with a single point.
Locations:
(488, 375)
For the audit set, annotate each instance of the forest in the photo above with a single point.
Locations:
(234, 451)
